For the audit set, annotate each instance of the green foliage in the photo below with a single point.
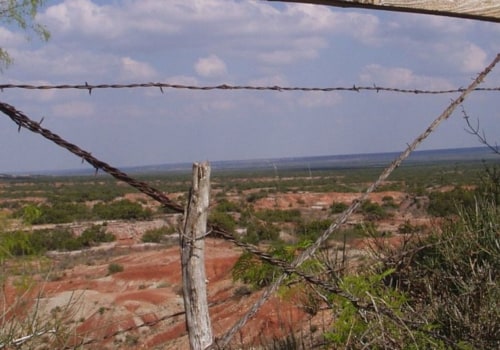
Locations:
(59, 238)
(31, 214)
(442, 204)
(312, 229)
(155, 235)
(255, 196)
(375, 329)
(489, 184)
(455, 275)
(115, 268)
(251, 270)
(223, 220)
(277, 215)
(373, 211)
(14, 243)
(338, 207)
(57, 213)
(94, 235)
(258, 232)
(121, 210)
(225, 206)
(22, 13)
(407, 227)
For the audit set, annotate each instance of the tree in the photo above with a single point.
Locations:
(21, 13)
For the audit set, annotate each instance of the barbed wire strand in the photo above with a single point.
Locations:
(310, 251)
(24, 122)
(162, 86)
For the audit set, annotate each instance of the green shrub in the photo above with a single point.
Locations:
(57, 213)
(258, 232)
(121, 210)
(455, 275)
(223, 220)
(251, 270)
(225, 206)
(312, 229)
(277, 215)
(94, 235)
(115, 268)
(155, 235)
(372, 211)
(442, 204)
(338, 207)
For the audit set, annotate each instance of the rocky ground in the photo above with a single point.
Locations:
(141, 306)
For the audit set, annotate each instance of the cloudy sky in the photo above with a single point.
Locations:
(239, 42)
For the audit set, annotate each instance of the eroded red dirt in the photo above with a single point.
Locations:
(141, 307)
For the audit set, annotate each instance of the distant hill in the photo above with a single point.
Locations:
(312, 162)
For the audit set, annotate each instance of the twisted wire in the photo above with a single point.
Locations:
(24, 122)
(162, 86)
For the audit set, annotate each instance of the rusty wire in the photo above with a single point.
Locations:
(162, 86)
(310, 251)
(23, 121)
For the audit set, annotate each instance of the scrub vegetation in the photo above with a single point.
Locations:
(437, 287)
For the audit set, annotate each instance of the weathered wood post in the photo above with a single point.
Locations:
(193, 259)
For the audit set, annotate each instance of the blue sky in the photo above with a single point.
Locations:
(207, 42)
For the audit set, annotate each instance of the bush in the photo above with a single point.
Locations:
(452, 277)
(121, 210)
(115, 268)
(57, 213)
(442, 204)
(94, 235)
(372, 211)
(276, 215)
(338, 207)
(312, 229)
(155, 235)
(251, 270)
(222, 220)
(226, 206)
(257, 232)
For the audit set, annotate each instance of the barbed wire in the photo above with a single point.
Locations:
(24, 122)
(162, 86)
(310, 251)
(288, 268)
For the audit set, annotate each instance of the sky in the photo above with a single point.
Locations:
(239, 42)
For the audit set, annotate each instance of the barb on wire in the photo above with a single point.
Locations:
(223, 341)
(161, 86)
(24, 122)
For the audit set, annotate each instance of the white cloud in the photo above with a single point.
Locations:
(210, 67)
(465, 56)
(135, 70)
(401, 78)
(84, 16)
(471, 58)
(10, 39)
(294, 51)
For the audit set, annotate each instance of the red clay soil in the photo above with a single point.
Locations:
(145, 300)
(141, 307)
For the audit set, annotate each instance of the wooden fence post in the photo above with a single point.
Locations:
(193, 259)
